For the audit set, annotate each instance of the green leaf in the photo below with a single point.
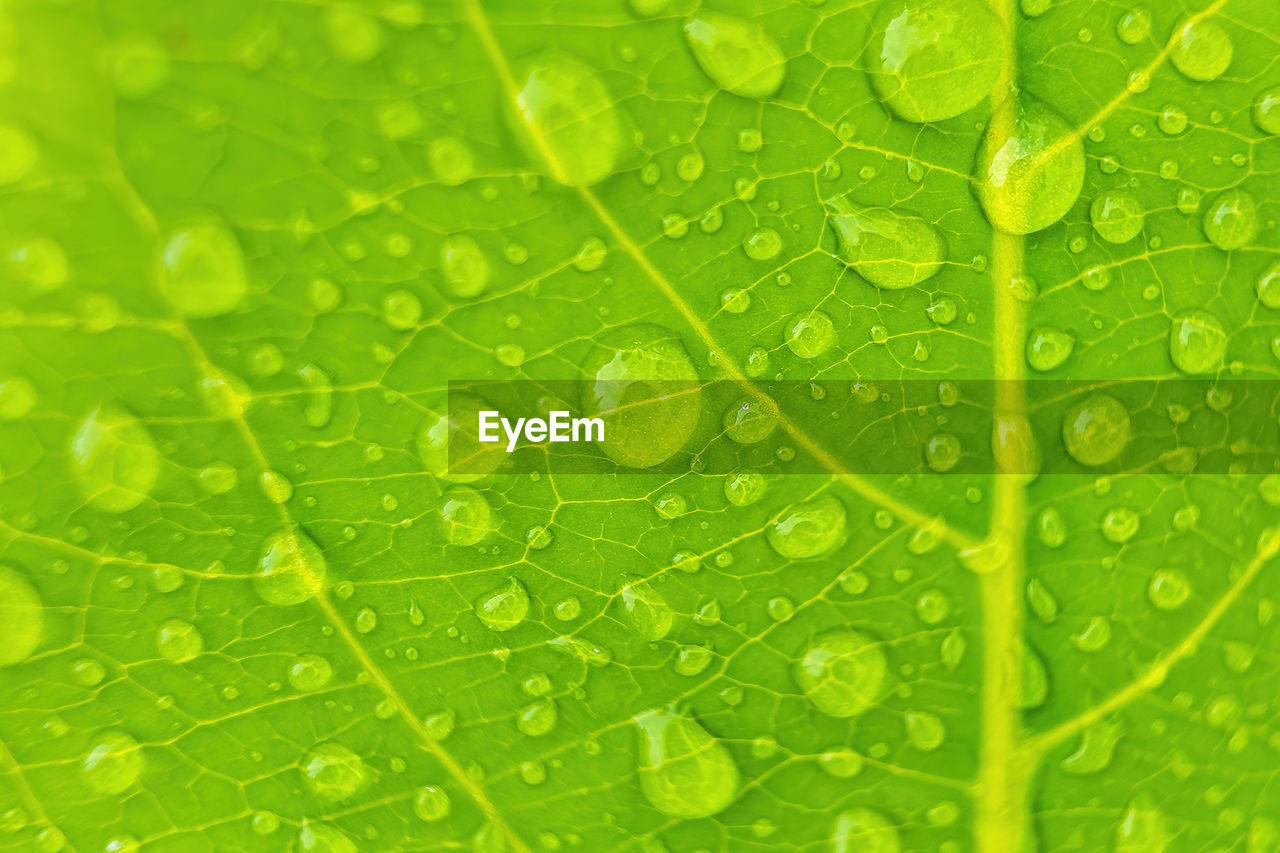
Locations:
(248, 603)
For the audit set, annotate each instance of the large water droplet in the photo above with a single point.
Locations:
(1266, 110)
(566, 120)
(1202, 50)
(22, 616)
(1028, 180)
(934, 59)
(809, 529)
(892, 250)
(1047, 348)
(1117, 216)
(1231, 220)
(646, 609)
(738, 55)
(310, 672)
(178, 641)
(331, 771)
(466, 515)
(810, 334)
(1095, 430)
(114, 763)
(503, 607)
(1197, 342)
(537, 719)
(641, 381)
(203, 270)
(431, 804)
(291, 570)
(114, 459)
(1097, 745)
(925, 731)
(865, 831)
(842, 672)
(1143, 829)
(684, 771)
(1169, 589)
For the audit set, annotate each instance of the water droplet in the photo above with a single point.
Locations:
(1197, 342)
(178, 641)
(1047, 348)
(750, 420)
(842, 672)
(464, 266)
(139, 65)
(503, 607)
(1117, 216)
(862, 830)
(431, 804)
(811, 334)
(264, 823)
(684, 771)
(1097, 746)
(353, 36)
(1095, 634)
(1028, 180)
(942, 452)
(566, 120)
(1133, 26)
(1202, 50)
(933, 606)
(762, 244)
(1231, 221)
(1042, 602)
(537, 719)
(743, 488)
(737, 54)
(584, 650)
(1143, 828)
(309, 672)
(1169, 589)
(292, 569)
(1172, 120)
(316, 837)
(925, 731)
(114, 459)
(203, 270)
(636, 370)
(466, 516)
(331, 771)
(114, 763)
(809, 529)
(1095, 430)
(935, 59)
(892, 250)
(1268, 286)
(1266, 111)
(693, 660)
(22, 616)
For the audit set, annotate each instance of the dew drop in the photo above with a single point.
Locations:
(331, 771)
(353, 36)
(503, 607)
(1197, 342)
(537, 719)
(291, 570)
(431, 804)
(114, 458)
(646, 609)
(1133, 26)
(309, 672)
(1028, 180)
(684, 771)
(743, 488)
(892, 250)
(842, 672)
(1047, 348)
(863, 830)
(1266, 111)
(1117, 216)
(566, 120)
(114, 763)
(203, 273)
(935, 59)
(809, 529)
(464, 266)
(178, 641)
(925, 731)
(1202, 50)
(1231, 220)
(737, 54)
(1095, 430)
(762, 244)
(1169, 589)
(466, 516)
(1143, 828)
(1097, 746)
(811, 334)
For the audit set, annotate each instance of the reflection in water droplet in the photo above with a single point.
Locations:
(1047, 348)
(1231, 220)
(888, 248)
(811, 334)
(737, 54)
(646, 609)
(1097, 746)
(203, 270)
(331, 771)
(1143, 828)
(292, 569)
(1169, 589)
(842, 672)
(1117, 216)
(1029, 179)
(566, 120)
(809, 529)
(1095, 430)
(1197, 342)
(309, 672)
(466, 515)
(114, 459)
(1202, 50)
(431, 803)
(684, 771)
(503, 607)
(114, 763)
(925, 730)
(862, 830)
(178, 641)
(934, 59)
